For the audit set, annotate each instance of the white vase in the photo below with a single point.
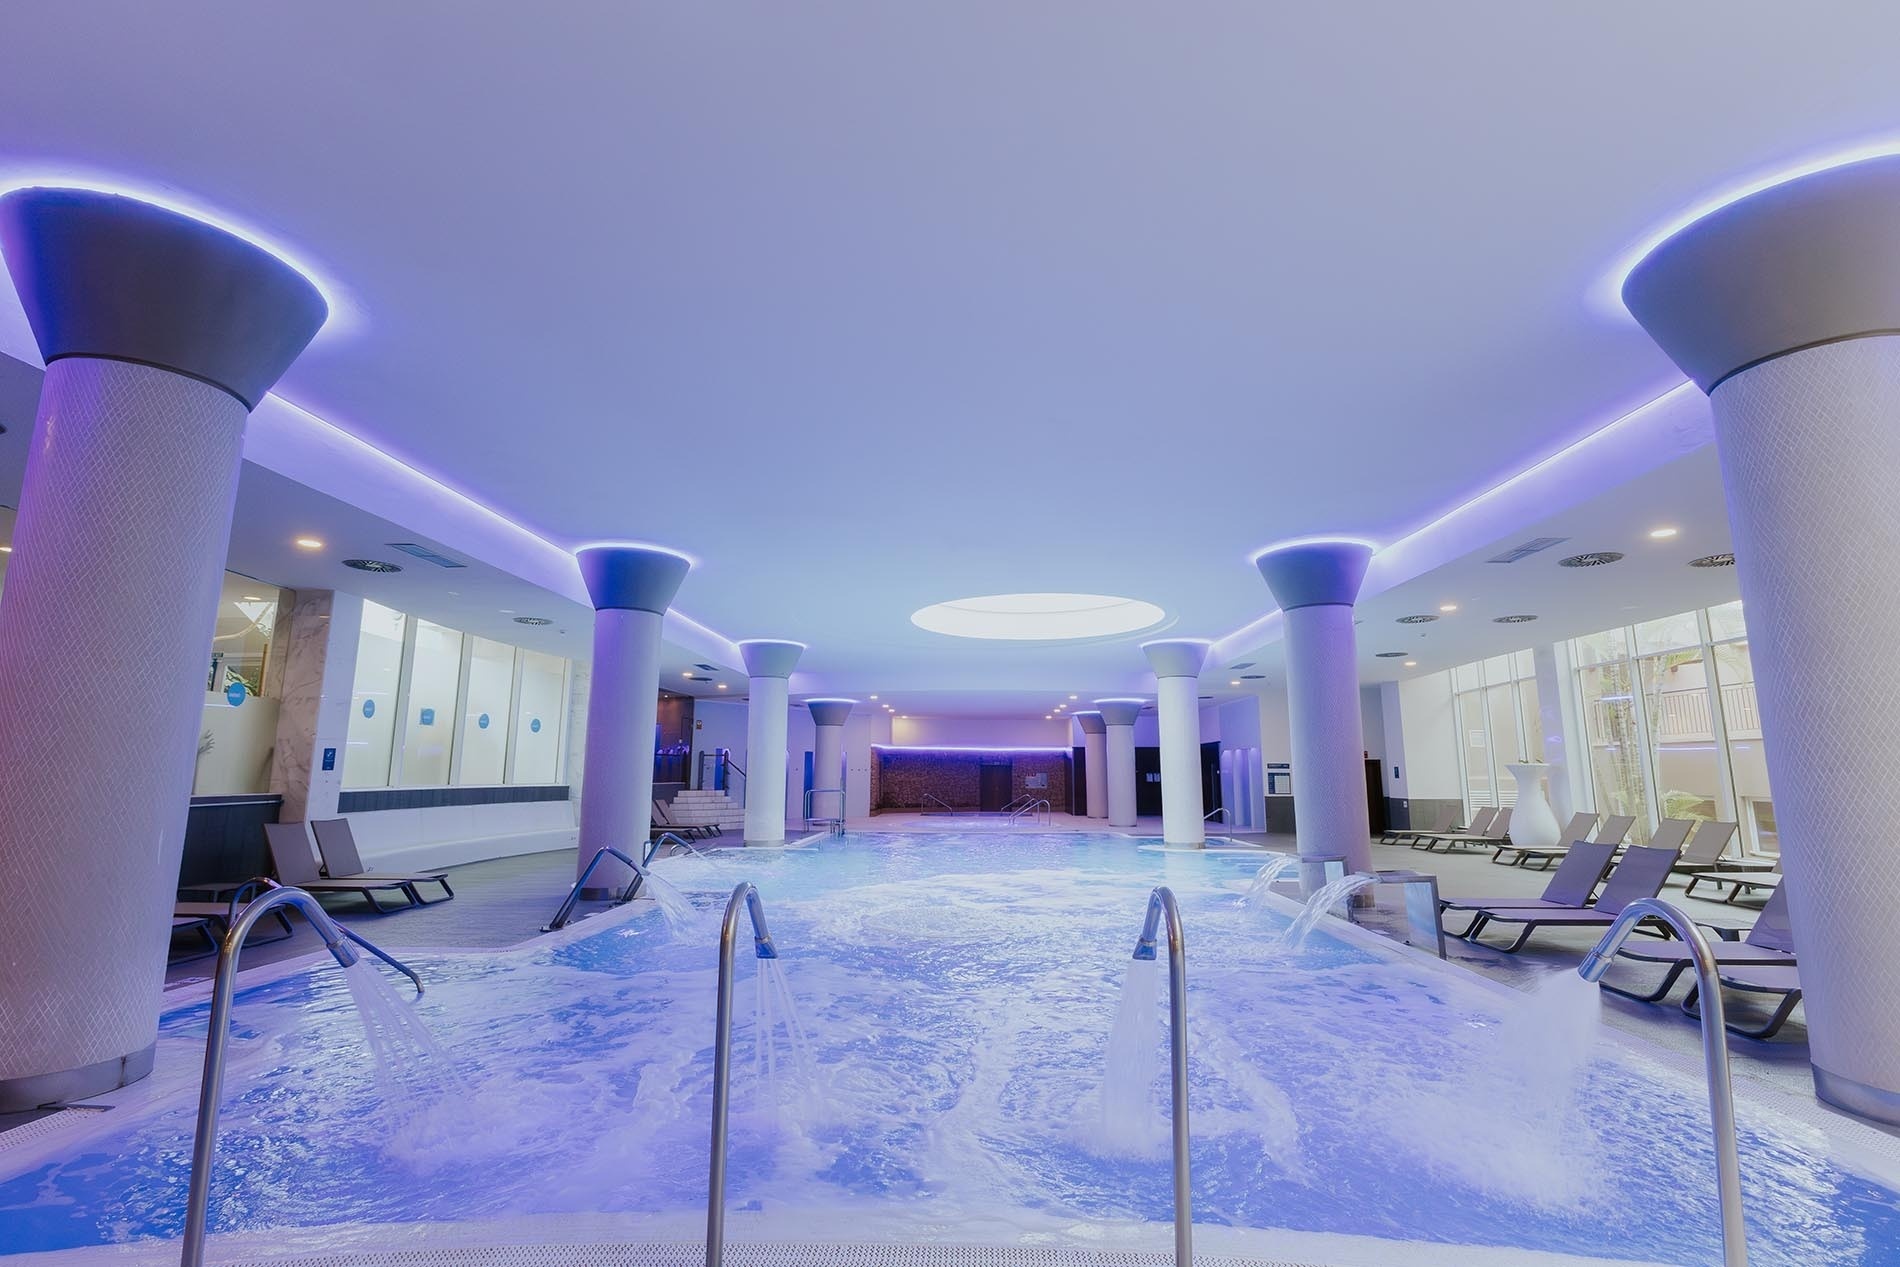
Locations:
(1533, 824)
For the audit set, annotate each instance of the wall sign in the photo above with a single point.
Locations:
(369, 708)
(482, 721)
(234, 692)
(534, 726)
(428, 717)
(329, 758)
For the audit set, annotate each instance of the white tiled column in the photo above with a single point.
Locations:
(159, 333)
(1177, 664)
(768, 665)
(827, 756)
(1118, 757)
(320, 633)
(1094, 762)
(1783, 307)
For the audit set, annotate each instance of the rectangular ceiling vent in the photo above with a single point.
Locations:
(425, 553)
(707, 668)
(1244, 664)
(1525, 551)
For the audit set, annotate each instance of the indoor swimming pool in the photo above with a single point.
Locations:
(955, 994)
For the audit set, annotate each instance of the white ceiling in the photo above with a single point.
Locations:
(869, 307)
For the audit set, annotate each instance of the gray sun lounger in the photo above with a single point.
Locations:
(1739, 882)
(1705, 849)
(662, 821)
(1780, 980)
(1480, 822)
(1769, 943)
(1640, 874)
(1490, 837)
(1578, 829)
(337, 843)
(1612, 832)
(1570, 887)
(297, 867)
(201, 925)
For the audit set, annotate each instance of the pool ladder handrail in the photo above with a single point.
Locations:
(1039, 809)
(1161, 903)
(744, 895)
(1728, 1169)
(1208, 817)
(342, 945)
(835, 824)
(633, 886)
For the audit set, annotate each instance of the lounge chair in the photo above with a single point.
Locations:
(201, 925)
(1768, 943)
(1570, 887)
(297, 866)
(337, 843)
(1403, 835)
(1480, 823)
(1615, 829)
(219, 917)
(1490, 837)
(1739, 882)
(1705, 849)
(1578, 829)
(1640, 874)
(1783, 980)
(663, 822)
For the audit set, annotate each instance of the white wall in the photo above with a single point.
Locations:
(443, 836)
(1428, 726)
(868, 724)
(984, 732)
(720, 723)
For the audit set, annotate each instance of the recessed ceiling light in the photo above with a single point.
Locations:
(1723, 560)
(722, 686)
(1411, 664)
(688, 675)
(1425, 618)
(532, 620)
(1512, 620)
(1594, 559)
(1661, 534)
(6, 549)
(1048, 716)
(874, 697)
(309, 543)
(1038, 617)
(1448, 607)
(372, 565)
(1234, 682)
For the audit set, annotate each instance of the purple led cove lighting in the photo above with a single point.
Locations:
(628, 543)
(345, 316)
(1607, 294)
(1322, 539)
(940, 747)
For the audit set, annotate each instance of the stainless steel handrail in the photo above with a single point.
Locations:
(811, 795)
(931, 796)
(1728, 1166)
(671, 838)
(574, 894)
(342, 944)
(743, 895)
(1161, 902)
(1040, 808)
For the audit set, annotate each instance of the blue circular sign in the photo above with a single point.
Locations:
(369, 708)
(535, 725)
(482, 721)
(235, 692)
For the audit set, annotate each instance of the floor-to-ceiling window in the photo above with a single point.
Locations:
(1497, 725)
(435, 706)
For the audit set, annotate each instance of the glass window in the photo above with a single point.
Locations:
(238, 728)
(484, 737)
(1524, 664)
(1497, 669)
(1616, 758)
(1682, 733)
(1479, 788)
(1754, 805)
(373, 701)
(540, 718)
(1466, 677)
(1668, 633)
(434, 675)
(1530, 719)
(1501, 712)
(1596, 648)
(1725, 622)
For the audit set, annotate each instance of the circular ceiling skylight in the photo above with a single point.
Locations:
(1038, 617)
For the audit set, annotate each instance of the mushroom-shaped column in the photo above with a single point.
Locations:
(767, 664)
(827, 757)
(1118, 751)
(1783, 306)
(160, 334)
(1094, 762)
(1316, 583)
(631, 586)
(1177, 664)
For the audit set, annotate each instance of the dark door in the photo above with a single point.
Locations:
(1375, 797)
(1148, 782)
(1079, 784)
(1210, 782)
(994, 792)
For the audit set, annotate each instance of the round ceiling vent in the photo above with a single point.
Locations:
(1713, 561)
(1595, 559)
(1512, 620)
(532, 620)
(372, 565)
(1392, 655)
(1424, 618)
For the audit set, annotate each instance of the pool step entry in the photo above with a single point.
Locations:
(706, 807)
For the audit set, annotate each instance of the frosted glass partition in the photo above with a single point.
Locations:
(428, 738)
(484, 737)
(541, 719)
(373, 701)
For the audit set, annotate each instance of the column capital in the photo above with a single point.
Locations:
(1317, 573)
(1120, 712)
(1091, 723)
(1177, 657)
(103, 275)
(1813, 260)
(632, 577)
(830, 712)
(767, 657)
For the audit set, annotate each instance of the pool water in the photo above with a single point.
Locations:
(956, 991)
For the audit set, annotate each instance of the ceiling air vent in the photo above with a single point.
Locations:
(707, 668)
(1424, 618)
(1253, 677)
(1713, 561)
(1244, 664)
(1595, 559)
(532, 620)
(694, 677)
(1534, 546)
(1392, 655)
(372, 565)
(1512, 620)
(425, 553)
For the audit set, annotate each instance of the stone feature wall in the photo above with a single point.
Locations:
(901, 777)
